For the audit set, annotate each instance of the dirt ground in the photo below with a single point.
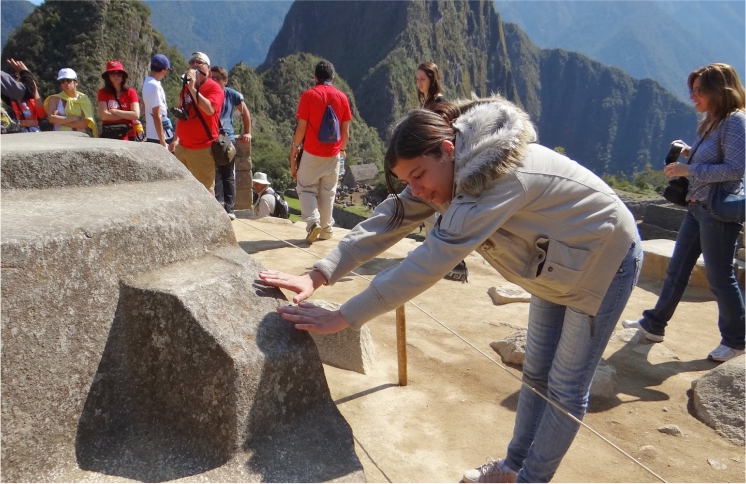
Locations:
(458, 407)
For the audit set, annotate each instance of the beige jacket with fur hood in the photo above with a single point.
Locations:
(542, 220)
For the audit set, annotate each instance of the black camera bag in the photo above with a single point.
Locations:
(676, 191)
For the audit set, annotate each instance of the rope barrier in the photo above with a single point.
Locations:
(504, 368)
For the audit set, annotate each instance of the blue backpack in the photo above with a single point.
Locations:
(329, 130)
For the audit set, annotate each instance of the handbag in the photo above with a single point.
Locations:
(115, 131)
(725, 206)
(222, 147)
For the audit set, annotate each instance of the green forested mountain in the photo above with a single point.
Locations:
(229, 32)
(661, 40)
(12, 13)
(602, 117)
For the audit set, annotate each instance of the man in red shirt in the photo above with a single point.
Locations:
(319, 166)
(192, 141)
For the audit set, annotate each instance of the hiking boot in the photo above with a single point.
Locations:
(313, 233)
(326, 235)
(492, 471)
(630, 324)
(723, 353)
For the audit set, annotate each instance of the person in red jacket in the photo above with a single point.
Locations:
(319, 165)
(192, 142)
(118, 104)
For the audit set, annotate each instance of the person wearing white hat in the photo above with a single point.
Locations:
(70, 110)
(265, 202)
(200, 102)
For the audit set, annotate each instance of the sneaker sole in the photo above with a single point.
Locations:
(722, 360)
(648, 336)
(313, 235)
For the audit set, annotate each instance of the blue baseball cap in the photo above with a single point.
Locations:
(160, 62)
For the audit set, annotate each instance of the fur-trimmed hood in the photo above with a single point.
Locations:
(491, 139)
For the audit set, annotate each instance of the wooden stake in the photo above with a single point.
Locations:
(401, 344)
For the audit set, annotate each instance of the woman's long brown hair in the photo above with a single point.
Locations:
(725, 94)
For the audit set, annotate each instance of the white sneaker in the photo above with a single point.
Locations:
(723, 353)
(630, 324)
(492, 471)
(231, 215)
(326, 235)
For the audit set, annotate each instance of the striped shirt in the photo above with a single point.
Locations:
(719, 157)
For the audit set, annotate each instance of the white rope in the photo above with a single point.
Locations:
(507, 370)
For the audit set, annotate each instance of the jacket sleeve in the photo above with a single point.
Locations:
(467, 223)
(371, 237)
(15, 90)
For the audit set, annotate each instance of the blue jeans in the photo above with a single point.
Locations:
(702, 234)
(563, 349)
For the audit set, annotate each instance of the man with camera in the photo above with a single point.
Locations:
(158, 128)
(198, 116)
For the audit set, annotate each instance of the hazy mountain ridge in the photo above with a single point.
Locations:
(662, 40)
(228, 31)
(13, 13)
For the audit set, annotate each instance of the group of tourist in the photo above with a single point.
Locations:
(206, 108)
(542, 220)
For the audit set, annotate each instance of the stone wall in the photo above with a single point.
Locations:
(136, 341)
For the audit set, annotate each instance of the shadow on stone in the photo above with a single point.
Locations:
(160, 406)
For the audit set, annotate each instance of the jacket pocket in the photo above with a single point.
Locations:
(562, 267)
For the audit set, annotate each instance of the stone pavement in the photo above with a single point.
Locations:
(459, 406)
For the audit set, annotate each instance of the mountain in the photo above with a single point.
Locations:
(602, 117)
(83, 35)
(227, 31)
(661, 40)
(12, 13)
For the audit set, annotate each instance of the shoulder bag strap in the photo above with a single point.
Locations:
(199, 115)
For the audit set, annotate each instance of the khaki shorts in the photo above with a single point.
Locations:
(200, 164)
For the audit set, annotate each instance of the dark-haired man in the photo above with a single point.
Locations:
(158, 128)
(319, 166)
(225, 176)
(192, 140)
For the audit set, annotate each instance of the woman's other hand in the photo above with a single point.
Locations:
(676, 169)
(685, 150)
(303, 286)
(314, 319)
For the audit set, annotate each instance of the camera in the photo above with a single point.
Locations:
(674, 152)
(179, 113)
(185, 79)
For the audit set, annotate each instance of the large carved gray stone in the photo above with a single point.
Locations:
(136, 341)
(719, 399)
(349, 349)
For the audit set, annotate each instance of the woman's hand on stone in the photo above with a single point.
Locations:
(314, 319)
(303, 286)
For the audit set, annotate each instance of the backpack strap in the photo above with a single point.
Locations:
(199, 115)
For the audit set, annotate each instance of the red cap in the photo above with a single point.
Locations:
(114, 66)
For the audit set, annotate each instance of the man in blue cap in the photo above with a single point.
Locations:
(158, 128)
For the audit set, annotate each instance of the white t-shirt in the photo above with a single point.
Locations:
(153, 95)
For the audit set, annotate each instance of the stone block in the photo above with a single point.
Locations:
(512, 349)
(657, 254)
(508, 293)
(349, 349)
(668, 216)
(136, 342)
(718, 399)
